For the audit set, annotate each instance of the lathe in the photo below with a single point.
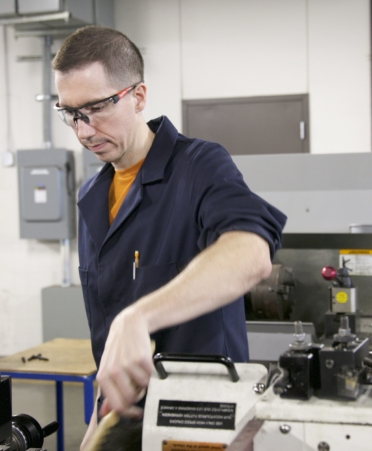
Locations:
(319, 406)
(318, 398)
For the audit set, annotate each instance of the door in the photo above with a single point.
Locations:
(251, 125)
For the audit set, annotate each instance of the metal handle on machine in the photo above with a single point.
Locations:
(368, 360)
(166, 357)
(50, 428)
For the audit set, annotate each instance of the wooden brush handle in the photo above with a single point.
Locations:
(107, 423)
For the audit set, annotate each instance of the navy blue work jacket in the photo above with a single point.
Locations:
(186, 194)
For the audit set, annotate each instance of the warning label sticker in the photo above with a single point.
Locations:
(176, 445)
(190, 414)
(357, 261)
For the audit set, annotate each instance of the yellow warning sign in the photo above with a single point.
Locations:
(177, 445)
(355, 251)
(357, 261)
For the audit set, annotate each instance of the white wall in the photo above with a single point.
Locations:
(339, 76)
(217, 48)
(192, 49)
(155, 28)
(243, 48)
(26, 266)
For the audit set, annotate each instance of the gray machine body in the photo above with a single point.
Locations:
(319, 193)
(63, 313)
(47, 194)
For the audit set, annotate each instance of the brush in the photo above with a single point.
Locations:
(115, 433)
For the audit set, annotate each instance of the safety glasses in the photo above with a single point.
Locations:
(93, 113)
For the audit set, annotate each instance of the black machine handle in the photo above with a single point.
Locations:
(50, 428)
(167, 357)
(368, 360)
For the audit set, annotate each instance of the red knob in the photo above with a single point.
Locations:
(329, 273)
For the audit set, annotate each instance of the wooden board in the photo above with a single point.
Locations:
(244, 440)
(66, 356)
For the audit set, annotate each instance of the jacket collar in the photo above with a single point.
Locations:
(94, 204)
(161, 150)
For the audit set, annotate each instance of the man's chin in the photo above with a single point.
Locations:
(103, 156)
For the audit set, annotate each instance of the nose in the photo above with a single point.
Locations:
(84, 130)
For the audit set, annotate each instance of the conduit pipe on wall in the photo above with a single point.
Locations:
(7, 156)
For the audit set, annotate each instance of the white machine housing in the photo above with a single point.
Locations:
(195, 385)
(314, 425)
(287, 424)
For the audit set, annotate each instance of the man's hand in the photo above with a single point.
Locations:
(126, 365)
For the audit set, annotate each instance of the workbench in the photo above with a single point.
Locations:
(66, 360)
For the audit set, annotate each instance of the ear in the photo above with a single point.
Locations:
(140, 93)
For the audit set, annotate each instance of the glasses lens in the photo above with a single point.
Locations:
(94, 114)
(99, 112)
(64, 115)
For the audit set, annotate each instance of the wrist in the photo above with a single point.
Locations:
(143, 312)
(135, 315)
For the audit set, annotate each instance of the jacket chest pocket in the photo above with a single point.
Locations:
(147, 279)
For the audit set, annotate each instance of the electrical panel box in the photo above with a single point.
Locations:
(91, 164)
(47, 200)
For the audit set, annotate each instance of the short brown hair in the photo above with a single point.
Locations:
(120, 57)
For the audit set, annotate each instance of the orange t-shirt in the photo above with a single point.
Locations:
(119, 187)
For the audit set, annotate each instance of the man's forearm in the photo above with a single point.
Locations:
(217, 276)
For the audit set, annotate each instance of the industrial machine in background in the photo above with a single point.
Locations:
(336, 368)
(296, 291)
(19, 432)
(323, 399)
(273, 298)
(325, 198)
(318, 398)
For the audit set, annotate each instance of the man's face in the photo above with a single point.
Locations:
(116, 140)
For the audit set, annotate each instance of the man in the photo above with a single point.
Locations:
(170, 236)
